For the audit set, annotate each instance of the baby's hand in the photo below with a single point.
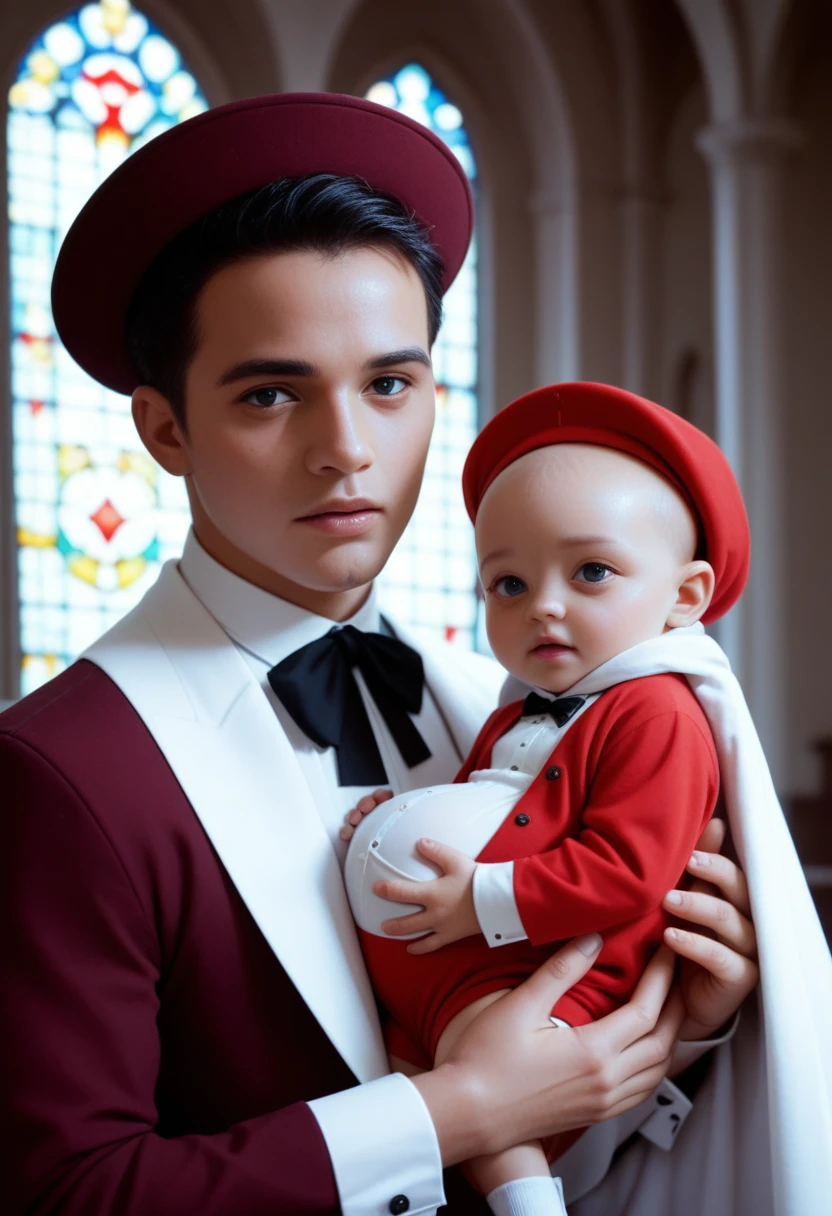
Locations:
(368, 803)
(448, 911)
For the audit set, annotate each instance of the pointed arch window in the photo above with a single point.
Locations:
(430, 581)
(95, 516)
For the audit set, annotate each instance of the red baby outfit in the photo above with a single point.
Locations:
(603, 832)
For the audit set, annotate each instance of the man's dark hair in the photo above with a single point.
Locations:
(322, 213)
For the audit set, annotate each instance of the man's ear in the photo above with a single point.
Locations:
(696, 590)
(159, 430)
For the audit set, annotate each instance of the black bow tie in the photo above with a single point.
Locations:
(318, 688)
(561, 710)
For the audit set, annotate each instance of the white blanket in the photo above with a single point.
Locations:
(759, 1140)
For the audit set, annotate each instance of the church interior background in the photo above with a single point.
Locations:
(653, 183)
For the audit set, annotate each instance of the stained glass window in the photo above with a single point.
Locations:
(429, 582)
(95, 515)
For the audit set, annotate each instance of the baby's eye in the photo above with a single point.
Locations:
(388, 386)
(509, 586)
(266, 397)
(593, 572)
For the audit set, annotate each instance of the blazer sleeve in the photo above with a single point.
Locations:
(80, 1048)
(654, 789)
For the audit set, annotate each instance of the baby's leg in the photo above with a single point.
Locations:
(518, 1181)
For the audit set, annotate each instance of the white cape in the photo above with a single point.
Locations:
(759, 1139)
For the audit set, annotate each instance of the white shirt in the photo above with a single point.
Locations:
(396, 1151)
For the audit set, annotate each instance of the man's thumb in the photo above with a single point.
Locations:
(557, 975)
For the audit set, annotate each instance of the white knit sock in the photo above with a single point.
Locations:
(528, 1197)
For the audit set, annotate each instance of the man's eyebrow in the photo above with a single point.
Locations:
(410, 354)
(251, 368)
(267, 367)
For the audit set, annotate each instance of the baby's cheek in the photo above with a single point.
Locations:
(498, 628)
(506, 640)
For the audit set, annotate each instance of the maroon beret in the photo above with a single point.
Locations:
(209, 160)
(612, 418)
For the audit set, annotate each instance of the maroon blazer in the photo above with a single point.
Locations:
(156, 1058)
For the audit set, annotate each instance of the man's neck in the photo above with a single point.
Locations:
(334, 605)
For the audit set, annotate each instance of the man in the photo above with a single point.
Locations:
(189, 1024)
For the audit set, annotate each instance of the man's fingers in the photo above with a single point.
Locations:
(730, 926)
(725, 964)
(641, 1013)
(713, 836)
(556, 976)
(723, 873)
(654, 1049)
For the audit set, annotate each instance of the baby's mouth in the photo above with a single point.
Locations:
(551, 649)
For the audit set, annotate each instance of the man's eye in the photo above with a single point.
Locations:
(265, 397)
(388, 386)
(509, 586)
(593, 572)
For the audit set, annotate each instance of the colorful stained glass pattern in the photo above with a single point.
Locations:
(430, 581)
(95, 516)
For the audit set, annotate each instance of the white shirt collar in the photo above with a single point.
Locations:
(262, 623)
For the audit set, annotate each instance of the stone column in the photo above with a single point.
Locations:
(641, 212)
(747, 161)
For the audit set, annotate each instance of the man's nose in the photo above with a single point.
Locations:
(339, 438)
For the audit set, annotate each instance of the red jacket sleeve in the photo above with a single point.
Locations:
(654, 789)
(80, 1046)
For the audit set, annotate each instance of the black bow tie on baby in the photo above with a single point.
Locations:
(318, 688)
(561, 710)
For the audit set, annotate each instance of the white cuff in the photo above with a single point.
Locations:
(688, 1052)
(495, 905)
(383, 1147)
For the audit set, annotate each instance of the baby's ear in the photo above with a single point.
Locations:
(696, 589)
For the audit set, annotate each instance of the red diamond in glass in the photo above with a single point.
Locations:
(107, 520)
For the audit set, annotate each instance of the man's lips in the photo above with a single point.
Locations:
(343, 516)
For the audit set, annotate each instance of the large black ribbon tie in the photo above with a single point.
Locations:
(318, 688)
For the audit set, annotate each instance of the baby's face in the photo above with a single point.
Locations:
(582, 553)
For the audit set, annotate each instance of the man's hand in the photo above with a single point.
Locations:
(719, 967)
(363, 807)
(512, 1076)
(448, 902)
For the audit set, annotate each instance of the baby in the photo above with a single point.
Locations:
(602, 522)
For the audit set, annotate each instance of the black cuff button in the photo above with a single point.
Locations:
(399, 1204)
(521, 820)
(552, 773)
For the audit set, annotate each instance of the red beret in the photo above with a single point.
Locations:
(612, 418)
(209, 160)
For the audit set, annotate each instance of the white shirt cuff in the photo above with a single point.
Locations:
(495, 905)
(688, 1052)
(383, 1147)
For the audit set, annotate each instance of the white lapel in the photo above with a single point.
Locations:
(205, 709)
(465, 686)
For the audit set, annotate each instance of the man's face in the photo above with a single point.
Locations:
(582, 554)
(309, 405)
